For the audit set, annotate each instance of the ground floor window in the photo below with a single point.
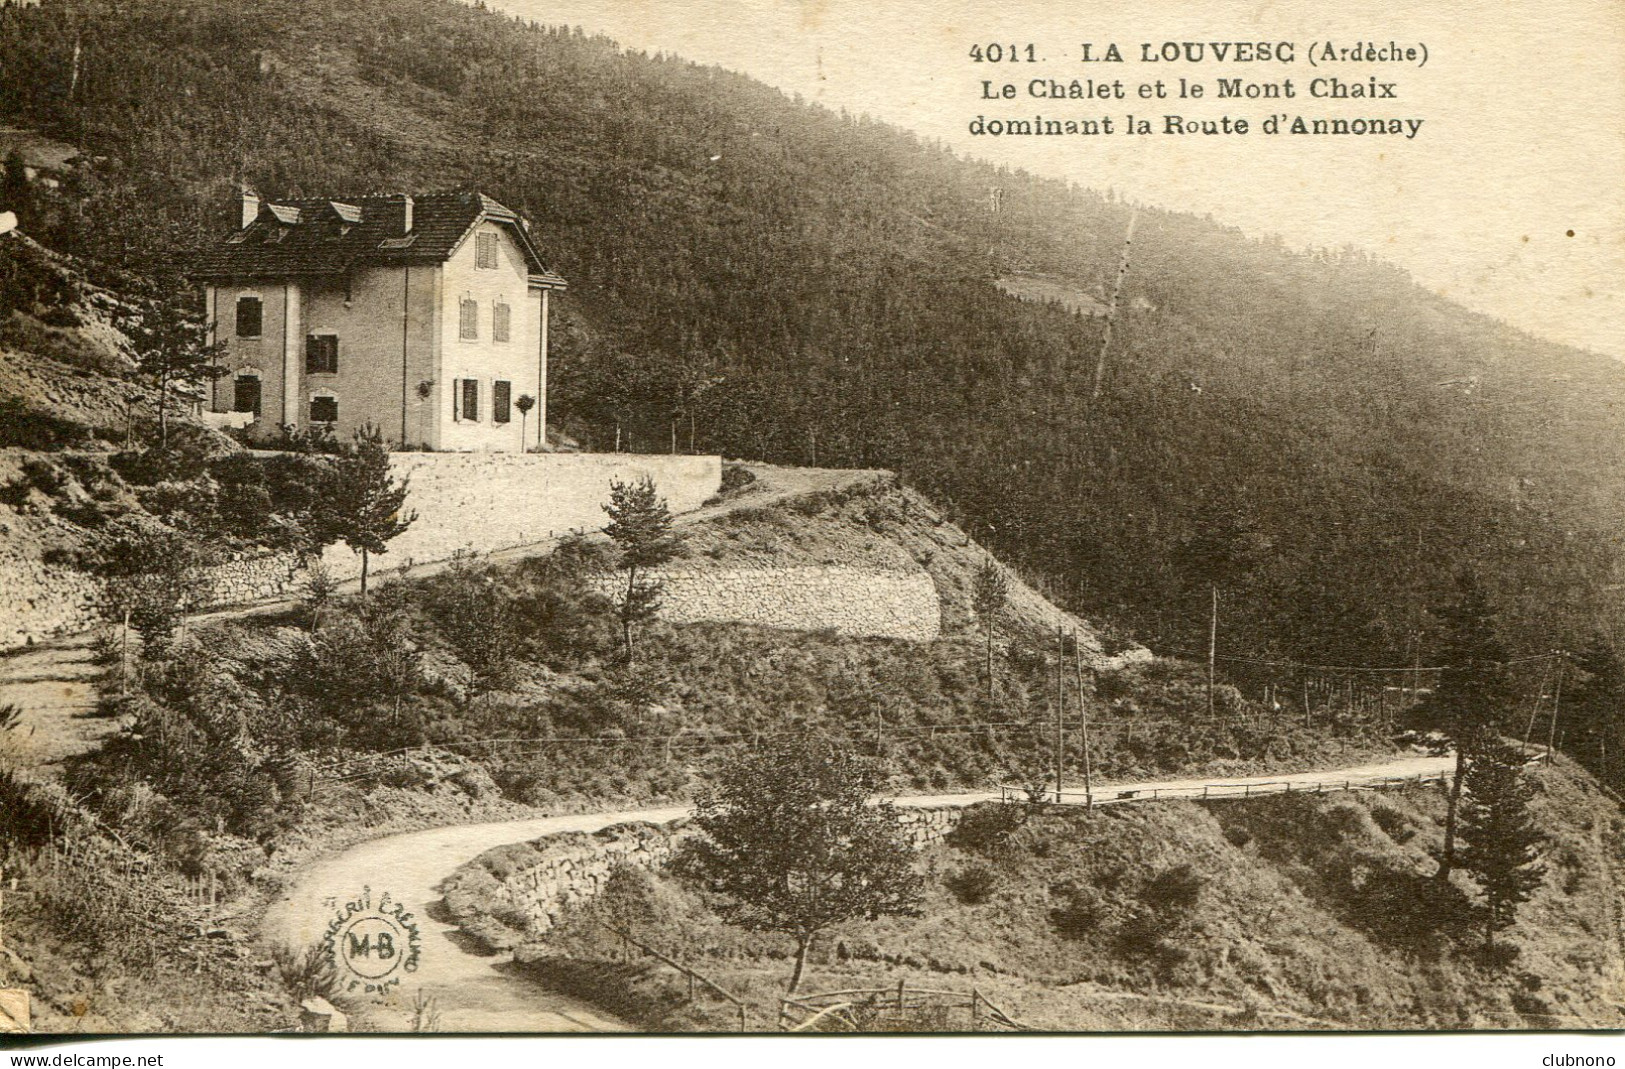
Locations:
(465, 399)
(246, 394)
(324, 409)
(501, 398)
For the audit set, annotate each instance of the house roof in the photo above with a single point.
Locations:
(312, 238)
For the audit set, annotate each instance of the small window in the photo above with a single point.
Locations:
(324, 409)
(248, 317)
(485, 251)
(501, 392)
(501, 319)
(246, 395)
(466, 398)
(468, 320)
(321, 354)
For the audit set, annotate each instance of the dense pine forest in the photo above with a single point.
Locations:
(1311, 433)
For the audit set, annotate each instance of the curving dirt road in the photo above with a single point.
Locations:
(478, 993)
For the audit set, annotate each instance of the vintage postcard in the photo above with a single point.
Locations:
(795, 517)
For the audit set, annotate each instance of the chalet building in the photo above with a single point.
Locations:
(425, 316)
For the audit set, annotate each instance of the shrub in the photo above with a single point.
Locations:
(736, 477)
(973, 885)
(307, 974)
(987, 829)
(31, 428)
(1081, 911)
(1175, 888)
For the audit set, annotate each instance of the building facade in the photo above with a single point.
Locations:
(425, 316)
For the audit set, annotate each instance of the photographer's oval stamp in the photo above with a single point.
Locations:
(372, 945)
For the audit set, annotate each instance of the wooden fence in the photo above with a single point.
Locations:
(697, 981)
(1121, 794)
(893, 1009)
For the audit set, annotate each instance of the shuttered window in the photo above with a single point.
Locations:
(501, 392)
(321, 354)
(324, 409)
(466, 398)
(249, 314)
(501, 318)
(485, 251)
(468, 320)
(246, 396)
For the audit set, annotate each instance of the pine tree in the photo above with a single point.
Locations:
(364, 507)
(172, 348)
(640, 526)
(1593, 712)
(1473, 693)
(1502, 846)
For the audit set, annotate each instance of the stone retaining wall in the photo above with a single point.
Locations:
(38, 601)
(848, 601)
(488, 501)
(539, 880)
(473, 501)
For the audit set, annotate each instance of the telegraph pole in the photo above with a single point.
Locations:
(1060, 710)
(1212, 648)
(1083, 719)
(1557, 698)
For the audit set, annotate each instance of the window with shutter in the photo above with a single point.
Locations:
(249, 311)
(468, 320)
(501, 392)
(485, 251)
(470, 395)
(324, 409)
(247, 395)
(501, 318)
(321, 354)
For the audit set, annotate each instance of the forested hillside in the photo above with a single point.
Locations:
(756, 276)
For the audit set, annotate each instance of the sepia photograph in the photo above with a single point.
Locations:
(784, 518)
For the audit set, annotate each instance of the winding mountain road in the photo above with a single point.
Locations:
(484, 993)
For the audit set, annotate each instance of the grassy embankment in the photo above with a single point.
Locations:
(1283, 913)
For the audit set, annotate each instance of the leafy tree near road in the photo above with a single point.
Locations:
(1502, 846)
(640, 526)
(364, 507)
(1473, 693)
(989, 592)
(790, 837)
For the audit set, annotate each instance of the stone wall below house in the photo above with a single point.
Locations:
(848, 601)
(465, 501)
(488, 501)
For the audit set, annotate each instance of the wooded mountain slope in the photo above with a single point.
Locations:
(761, 277)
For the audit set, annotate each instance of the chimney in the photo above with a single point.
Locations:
(249, 202)
(406, 208)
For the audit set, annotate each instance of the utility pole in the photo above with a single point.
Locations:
(1557, 698)
(1212, 648)
(1083, 720)
(1060, 710)
(1534, 710)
